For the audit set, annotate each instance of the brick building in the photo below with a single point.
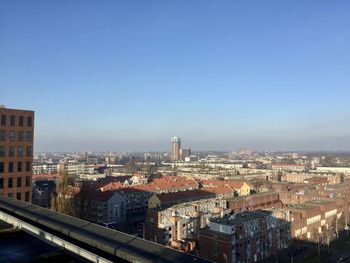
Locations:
(246, 237)
(178, 226)
(254, 202)
(16, 153)
(316, 215)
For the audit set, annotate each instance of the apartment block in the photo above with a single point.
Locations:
(288, 167)
(16, 153)
(178, 226)
(315, 216)
(246, 237)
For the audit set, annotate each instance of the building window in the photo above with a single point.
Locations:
(11, 151)
(3, 136)
(29, 151)
(12, 120)
(29, 136)
(1, 183)
(3, 120)
(21, 121)
(10, 182)
(19, 181)
(29, 121)
(19, 166)
(10, 170)
(20, 136)
(20, 151)
(18, 196)
(27, 180)
(2, 151)
(27, 196)
(12, 136)
(1, 167)
(27, 166)
(10, 195)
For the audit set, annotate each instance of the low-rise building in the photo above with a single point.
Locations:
(288, 167)
(104, 208)
(345, 170)
(45, 168)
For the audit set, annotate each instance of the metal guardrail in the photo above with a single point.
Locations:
(88, 240)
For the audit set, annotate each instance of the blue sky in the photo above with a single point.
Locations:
(128, 75)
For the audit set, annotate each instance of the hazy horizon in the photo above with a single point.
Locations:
(124, 75)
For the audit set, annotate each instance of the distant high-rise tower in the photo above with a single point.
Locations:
(185, 153)
(175, 148)
(16, 153)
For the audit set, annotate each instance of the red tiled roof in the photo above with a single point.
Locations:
(164, 183)
(234, 184)
(111, 186)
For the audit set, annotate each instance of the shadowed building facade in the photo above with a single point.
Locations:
(16, 153)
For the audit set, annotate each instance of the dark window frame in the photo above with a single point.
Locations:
(29, 136)
(29, 151)
(19, 181)
(20, 136)
(28, 166)
(27, 180)
(29, 121)
(3, 135)
(11, 151)
(12, 120)
(10, 167)
(2, 151)
(20, 151)
(21, 121)
(19, 167)
(10, 182)
(12, 136)
(3, 120)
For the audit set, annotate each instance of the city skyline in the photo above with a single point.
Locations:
(127, 76)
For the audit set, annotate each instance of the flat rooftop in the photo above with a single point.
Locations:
(242, 217)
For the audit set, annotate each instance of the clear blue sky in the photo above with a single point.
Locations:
(128, 75)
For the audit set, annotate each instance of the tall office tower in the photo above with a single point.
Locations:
(16, 153)
(175, 148)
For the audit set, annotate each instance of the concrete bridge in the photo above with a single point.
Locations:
(85, 239)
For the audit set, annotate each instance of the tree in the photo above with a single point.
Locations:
(60, 202)
(316, 237)
(334, 225)
(82, 201)
(341, 221)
